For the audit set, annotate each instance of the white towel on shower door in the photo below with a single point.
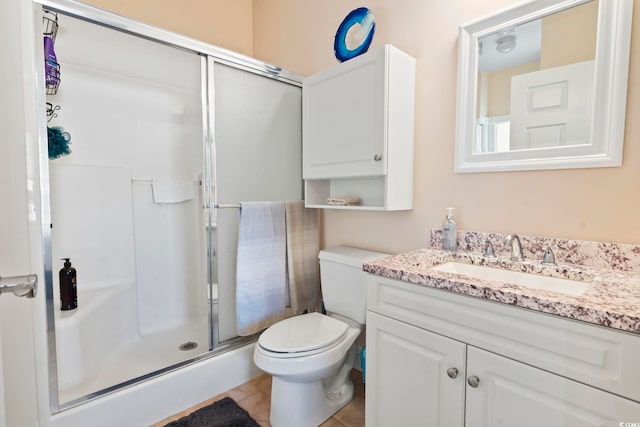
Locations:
(261, 267)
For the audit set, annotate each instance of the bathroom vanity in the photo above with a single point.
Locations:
(448, 349)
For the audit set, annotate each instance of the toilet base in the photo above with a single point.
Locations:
(309, 404)
(306, 404)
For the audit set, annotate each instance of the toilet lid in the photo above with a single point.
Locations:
(302, 333)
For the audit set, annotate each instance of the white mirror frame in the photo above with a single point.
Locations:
(610, 92)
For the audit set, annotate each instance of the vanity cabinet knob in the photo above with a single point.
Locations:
(377, 157)
(452, 372)
(473, 381)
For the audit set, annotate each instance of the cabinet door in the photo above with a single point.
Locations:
(407, 380)
(344, 119)
(510, 393)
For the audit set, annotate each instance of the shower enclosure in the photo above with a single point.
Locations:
(167, 136)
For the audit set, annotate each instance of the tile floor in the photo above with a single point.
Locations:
(255, 397)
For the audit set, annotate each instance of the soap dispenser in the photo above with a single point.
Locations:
(449, 232)
(68, 289)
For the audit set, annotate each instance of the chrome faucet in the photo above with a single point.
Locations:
(548, 258)
(488, 252)
(513, 241)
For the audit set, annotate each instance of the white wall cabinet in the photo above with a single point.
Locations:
(358, 121)
(443, 360)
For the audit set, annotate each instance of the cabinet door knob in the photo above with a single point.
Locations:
(473, 381)
(377, 157)
(452, 372)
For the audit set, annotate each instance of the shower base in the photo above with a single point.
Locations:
(141, 357)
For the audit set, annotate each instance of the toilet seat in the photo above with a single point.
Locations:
(302, 335)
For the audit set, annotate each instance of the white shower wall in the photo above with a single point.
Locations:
(94, 229)
(92, 223)
(135, 104)
(171, 281)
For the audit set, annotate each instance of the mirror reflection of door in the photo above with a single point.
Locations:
(552, 107)
(535, 82)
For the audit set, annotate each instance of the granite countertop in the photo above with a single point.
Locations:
(612, 299)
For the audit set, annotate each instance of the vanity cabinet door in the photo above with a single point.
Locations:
(414, 377)
(510, 393)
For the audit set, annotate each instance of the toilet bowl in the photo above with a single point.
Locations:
(311, 381)
(305, 358)
(310, 356)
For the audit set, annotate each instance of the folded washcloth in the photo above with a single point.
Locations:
(343, 201)
(172, 191)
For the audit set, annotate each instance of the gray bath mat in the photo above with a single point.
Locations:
(223, 413)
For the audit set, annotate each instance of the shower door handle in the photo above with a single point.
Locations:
(20, 286)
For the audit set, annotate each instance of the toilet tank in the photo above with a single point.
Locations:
(342, 280)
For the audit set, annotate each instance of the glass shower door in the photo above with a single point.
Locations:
(258, 157)
(127, 208)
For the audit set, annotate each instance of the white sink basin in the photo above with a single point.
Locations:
(565, 286)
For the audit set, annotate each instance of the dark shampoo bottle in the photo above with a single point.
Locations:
(68, 290)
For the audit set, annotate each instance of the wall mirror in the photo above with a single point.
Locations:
(544, 86)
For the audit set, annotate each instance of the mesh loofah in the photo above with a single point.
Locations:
(58, 142)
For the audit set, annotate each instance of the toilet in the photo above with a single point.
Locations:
(310, 356)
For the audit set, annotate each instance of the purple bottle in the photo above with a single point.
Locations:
(52, 76)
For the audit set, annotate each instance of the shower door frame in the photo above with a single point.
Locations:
(209, 55)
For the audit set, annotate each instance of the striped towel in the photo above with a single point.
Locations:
(303, 269)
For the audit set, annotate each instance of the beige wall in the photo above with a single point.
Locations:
(224, 23)
(569, 36)
(595, 204)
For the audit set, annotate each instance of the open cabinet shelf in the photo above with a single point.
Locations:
(372, 191)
